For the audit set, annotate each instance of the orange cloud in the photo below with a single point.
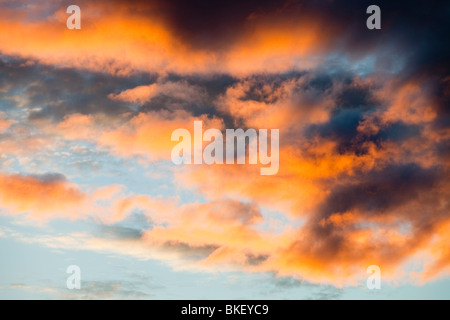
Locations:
(177, 90)
(116, 40)
(40, 197)
(76, 127)
(438, 263)
(21, 140)
(149, 134)
(411, 104)
(338, 256)
(51, 196)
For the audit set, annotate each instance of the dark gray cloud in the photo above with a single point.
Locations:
(51, 177)
(58, 92)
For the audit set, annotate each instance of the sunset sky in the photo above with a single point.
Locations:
(86, 176)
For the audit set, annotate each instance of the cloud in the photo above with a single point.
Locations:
(51, 196)
(363, 118)
(40, 196)
(232, 38)
(177, 90)
(4, 124)
(342, 172)
(109, 290)
(93, 290)
(22, 140)
(149, 134)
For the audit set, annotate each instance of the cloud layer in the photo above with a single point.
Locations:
(363, 116)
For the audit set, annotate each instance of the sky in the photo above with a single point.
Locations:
(87, 177)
